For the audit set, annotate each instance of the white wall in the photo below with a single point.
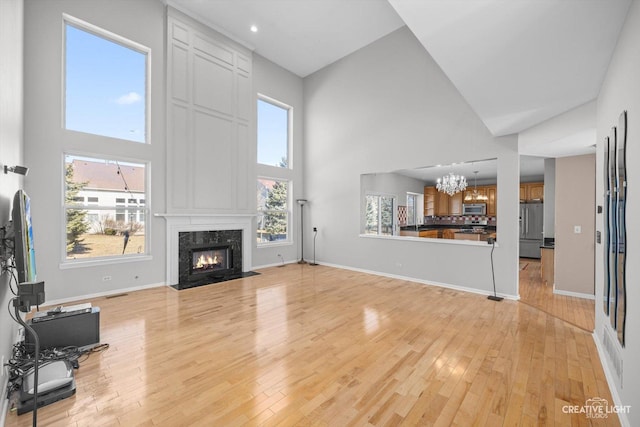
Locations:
(549, 197)
(621, 91)
(11, 119)
(45, 140)
(575, 206)
(275, 82)
(386, 107)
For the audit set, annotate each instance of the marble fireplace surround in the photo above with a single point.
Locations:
(177, 223)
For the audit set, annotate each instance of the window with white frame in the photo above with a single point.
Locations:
(273, 133)
(415, 208)
(106, 97)
(379, 217)
(115, 224)
(105, 83)
(273, 211)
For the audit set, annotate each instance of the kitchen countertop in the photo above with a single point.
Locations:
(548, 243)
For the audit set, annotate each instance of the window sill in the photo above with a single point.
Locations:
(65, 265)
(273, 245)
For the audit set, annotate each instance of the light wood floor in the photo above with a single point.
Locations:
(577, 311)
(304, 345)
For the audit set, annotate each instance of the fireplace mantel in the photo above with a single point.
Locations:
(176, 223)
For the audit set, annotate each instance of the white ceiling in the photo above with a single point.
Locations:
(516, 62)
(519, 62)
(302, 36)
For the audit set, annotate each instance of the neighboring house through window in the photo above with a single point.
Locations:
(106, 117)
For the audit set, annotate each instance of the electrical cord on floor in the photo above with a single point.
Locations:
(22, 360)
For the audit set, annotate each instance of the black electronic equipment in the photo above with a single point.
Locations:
(29, 293)
(78, 328)
(55, 382)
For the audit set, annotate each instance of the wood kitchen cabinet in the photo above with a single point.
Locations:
(442, 204)
(532, 191)
(430, 194)
(469, 196)
(433, 234)
(455, 204)
(492, 200)
(449, 233)
(437, 203)
(547, 266)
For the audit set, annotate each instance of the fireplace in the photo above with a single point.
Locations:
(208, 257)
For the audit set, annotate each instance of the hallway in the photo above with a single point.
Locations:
(577, 311)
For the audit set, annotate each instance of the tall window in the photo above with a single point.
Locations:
(273, 211)
(114, 225)
(379, 214)
(105, 95)
(273, 133)
(105, 83)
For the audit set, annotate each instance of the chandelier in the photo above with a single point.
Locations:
(451, 184)
(474, 196)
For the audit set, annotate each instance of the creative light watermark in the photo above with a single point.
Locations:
(596, 407)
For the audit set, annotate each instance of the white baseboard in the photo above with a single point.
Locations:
(276, 264)
(573, 294)
(624, 420)
(102, 294)
(423, 282)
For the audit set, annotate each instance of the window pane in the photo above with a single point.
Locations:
(372, 214)
(386, 215)
(273, 212)
(273, 134)
(411, 209)
(101, 228)
(272, 226)
(105, 87)
(103, 236)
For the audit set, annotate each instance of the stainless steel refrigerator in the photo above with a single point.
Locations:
(531, 219)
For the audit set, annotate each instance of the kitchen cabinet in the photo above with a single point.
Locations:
(547, 266)
(437, 203)
(442, 204)
(432, 234)
(470, 197)
(474, 237)
(449, 233)
(455, 204)
(492, 200)
(430, 194)
(531, 191)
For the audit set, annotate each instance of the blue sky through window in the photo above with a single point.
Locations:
(105, 87)
(273, 129)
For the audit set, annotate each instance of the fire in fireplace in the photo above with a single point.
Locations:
(207, 260)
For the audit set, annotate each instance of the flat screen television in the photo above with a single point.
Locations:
(24, 252)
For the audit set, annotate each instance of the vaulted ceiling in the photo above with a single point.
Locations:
(517, 63)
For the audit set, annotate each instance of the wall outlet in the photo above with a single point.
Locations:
(106, 278)
(577, 229)
(2, 367)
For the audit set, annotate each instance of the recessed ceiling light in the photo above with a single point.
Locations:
(254, 29)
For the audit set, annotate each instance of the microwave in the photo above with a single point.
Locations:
(474, 209)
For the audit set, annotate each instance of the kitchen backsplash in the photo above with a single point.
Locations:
(458, 219)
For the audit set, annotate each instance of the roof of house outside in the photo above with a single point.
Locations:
(105, 176)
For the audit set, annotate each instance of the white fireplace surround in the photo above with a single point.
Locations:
(177, 223)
